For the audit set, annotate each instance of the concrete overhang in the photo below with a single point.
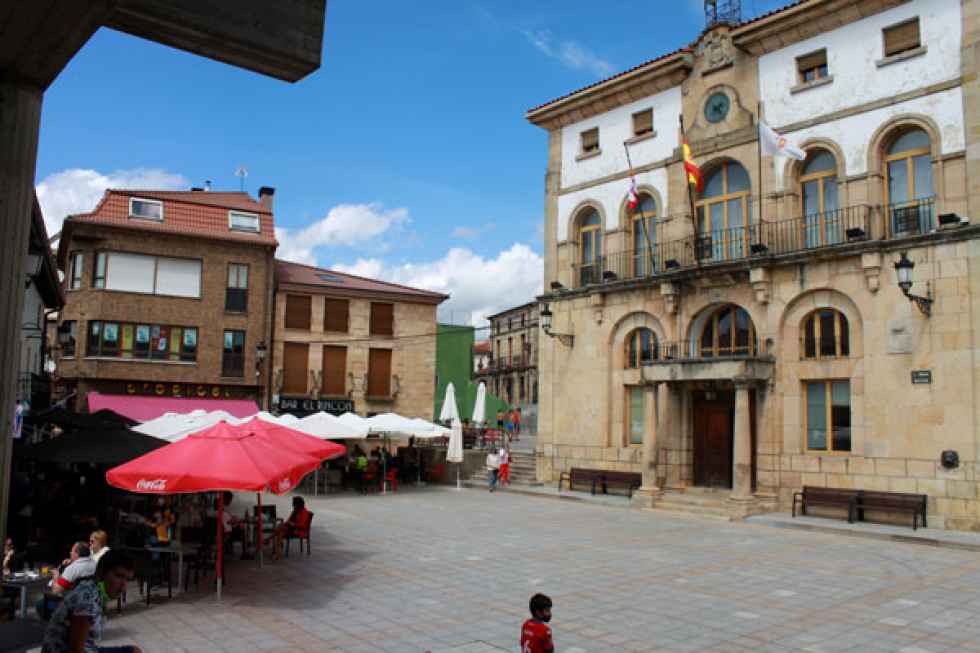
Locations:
(747, 369)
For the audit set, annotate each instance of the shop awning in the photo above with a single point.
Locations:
(143, 409)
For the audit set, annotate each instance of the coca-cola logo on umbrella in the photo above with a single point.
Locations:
(284, 485)
(155, 485)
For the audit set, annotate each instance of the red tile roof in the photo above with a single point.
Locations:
(307, 275)
(192, 213)
(482, 347)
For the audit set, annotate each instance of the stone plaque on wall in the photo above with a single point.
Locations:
(900, 336)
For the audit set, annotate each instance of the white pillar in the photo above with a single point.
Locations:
(650, 438)
(20, 117)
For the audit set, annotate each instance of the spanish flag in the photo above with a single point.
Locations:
(693, 171)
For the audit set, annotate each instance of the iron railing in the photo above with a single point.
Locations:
(691, 350)
(809, 233)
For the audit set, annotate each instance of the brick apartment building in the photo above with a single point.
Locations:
(169, 296)
(345, 343)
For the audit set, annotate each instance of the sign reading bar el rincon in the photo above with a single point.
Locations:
(305, 406)
(921, 376)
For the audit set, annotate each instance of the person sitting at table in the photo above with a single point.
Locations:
(233, 526)
(76, 626)
(97, 542)
(80, 565)
(159, 529)
(296, 525)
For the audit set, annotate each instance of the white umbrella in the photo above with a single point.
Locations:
(449, 409)
(455, 452)
(480, 408)
(325, 425)
(175, 426)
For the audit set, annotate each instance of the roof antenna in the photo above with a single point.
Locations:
(241, 173)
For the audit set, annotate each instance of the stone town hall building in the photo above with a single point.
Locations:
(764, 343)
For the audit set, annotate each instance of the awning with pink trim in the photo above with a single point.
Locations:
(143, 409)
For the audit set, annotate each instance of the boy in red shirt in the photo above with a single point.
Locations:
(535, 633)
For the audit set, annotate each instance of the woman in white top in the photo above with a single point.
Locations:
(97, 544)
(493, 468)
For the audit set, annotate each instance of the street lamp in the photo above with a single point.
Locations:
(546, 315)
(903, 270)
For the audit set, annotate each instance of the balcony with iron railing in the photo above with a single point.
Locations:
(743, 357)
(812, 233)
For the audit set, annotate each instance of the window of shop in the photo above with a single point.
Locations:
(828, 416)
(142, 341)
(825, 335)
(295, 368)
(233, 357)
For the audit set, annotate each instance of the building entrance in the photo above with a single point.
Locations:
(714, 420)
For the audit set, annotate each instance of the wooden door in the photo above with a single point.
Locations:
(713, 439)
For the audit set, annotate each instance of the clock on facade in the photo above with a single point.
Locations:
(716, 108)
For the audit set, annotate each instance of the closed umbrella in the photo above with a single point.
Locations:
(480, 408)
(253, 456)
(454, 454)
(450, 410)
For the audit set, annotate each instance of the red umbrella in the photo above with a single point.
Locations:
(252, 456)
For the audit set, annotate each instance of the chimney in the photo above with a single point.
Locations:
(207, 185)
(265, 196)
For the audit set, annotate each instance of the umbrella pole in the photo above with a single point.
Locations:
(258, 518)
(384, 466)
(316, 481)
(221, 539)
(458, 486)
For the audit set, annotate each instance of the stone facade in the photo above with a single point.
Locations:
(512, 371)
(413, 344)
(613, 400)
(201, 378)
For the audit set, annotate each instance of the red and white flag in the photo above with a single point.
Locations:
(776, 144)
(634, 198)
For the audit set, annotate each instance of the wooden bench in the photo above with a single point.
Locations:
(600, 478)
(894, 502)
(827, 497)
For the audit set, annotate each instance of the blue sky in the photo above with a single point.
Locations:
(406, 156)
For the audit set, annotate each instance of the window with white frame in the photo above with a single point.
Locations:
(153, 275)
(75, 271)
(240, 221)
(145, 209)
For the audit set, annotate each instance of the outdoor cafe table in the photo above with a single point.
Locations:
(25, 582)
(174, 548)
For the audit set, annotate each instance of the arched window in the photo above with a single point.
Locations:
(590, 247)
(641, 348)
(818, 190)
(727, 332)
(723, 213)
(908, 183)
(643, 231)
(825, 335)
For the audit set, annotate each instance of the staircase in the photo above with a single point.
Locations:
(700, 501)
(522, 470)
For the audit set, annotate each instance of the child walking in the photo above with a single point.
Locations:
(535, 633)
(504, 476)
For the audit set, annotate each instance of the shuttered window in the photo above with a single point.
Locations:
(379, 373)
(335, 315)
(298, 312)
(813, 66)
(642, 123)
(295, 368)
(334, 371)
(382, 319)
(902, 37)
(590, 141)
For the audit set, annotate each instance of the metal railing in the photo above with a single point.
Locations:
(808, 233)
(691, 350)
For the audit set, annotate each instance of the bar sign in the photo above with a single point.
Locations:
(921, 376)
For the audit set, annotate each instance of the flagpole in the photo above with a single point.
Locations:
(690, 197)
(643, 218)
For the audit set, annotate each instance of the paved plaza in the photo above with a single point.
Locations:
(445, 570)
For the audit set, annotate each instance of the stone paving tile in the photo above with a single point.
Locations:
(447, 571)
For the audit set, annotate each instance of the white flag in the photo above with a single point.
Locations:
(773, 143)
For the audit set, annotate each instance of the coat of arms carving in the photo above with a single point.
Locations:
(717, 51)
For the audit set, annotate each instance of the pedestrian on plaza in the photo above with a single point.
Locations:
(536, 633)
(504, 466)
(500, 420)
(517, 423)
(76, 626)
(493, 469)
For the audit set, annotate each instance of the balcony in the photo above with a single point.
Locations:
(813, 233)
(687, 361)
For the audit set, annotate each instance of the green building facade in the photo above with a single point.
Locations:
(454, 364)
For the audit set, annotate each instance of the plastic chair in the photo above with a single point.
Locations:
(304, 534)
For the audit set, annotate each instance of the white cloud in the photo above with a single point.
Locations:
(570, 53)
(470, 233)
(78, 190)
(477, 286)
(344, 224)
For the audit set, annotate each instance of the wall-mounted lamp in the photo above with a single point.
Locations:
(545, 314)
(903, 270)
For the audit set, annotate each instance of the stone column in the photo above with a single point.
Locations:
(20, 117)
(649, 491)
(742, 463)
